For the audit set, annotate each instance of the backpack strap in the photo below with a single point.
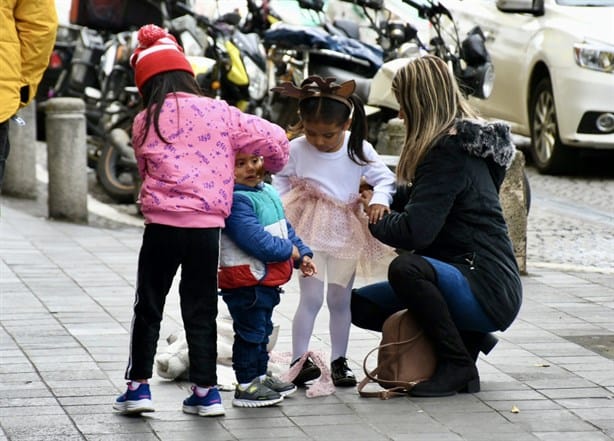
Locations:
(383, 394)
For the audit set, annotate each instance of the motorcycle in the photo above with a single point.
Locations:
(92, 64)
(114, 107)
(298, 51)
(220, 56)
(238, 72)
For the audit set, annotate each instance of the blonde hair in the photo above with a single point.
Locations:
(431, 102)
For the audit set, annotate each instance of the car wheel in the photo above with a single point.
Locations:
(549, 154)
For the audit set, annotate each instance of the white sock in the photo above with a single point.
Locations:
(244, 386)
(134, 385)
(201, 391)
(338, 300)
(310, 302)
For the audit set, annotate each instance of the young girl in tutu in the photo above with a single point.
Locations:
(320, 189)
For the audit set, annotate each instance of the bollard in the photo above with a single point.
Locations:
(20, 171)
(66, 159)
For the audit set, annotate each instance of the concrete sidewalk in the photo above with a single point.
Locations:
(65, 309)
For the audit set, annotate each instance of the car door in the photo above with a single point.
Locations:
(507, 40)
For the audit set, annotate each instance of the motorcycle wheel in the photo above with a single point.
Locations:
(116, 180)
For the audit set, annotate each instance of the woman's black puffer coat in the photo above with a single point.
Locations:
(452, 213)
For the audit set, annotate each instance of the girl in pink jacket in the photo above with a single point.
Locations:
(185, 145)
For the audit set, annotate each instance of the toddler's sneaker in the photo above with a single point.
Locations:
(209, 405)
(281, 387)
(308, 372)
(135, 400)
(341, 373)
(256, 395)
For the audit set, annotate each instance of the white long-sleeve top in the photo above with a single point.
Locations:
(335, 173)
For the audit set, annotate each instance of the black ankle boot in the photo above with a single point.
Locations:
(414, 281)
(448, 379)
(488, 343)
(477, 342)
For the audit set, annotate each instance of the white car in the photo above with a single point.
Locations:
(554, 72)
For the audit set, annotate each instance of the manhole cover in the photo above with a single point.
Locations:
(601, 344)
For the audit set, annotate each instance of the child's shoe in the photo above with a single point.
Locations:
(256, 395)
(341, 373)
(308, 372)
(209, 405)
(135, 400)
(281, 387)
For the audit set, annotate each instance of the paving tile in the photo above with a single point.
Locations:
(572, 436)
(560, 420)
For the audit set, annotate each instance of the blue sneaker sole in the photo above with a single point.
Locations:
(134, 407)
(206, 411)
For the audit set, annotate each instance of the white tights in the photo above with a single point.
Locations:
(311, 300)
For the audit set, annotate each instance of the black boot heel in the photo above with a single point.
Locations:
(472, 387)
(488, 343)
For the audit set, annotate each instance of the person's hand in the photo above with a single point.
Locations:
(296, 254)
(364, 185)
(376, 212)
(308, 268)
(365, 198)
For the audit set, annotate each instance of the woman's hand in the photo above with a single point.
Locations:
(376, 212)
(308, 268)
(365, 198)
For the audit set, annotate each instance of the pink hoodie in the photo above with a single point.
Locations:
(189, 182)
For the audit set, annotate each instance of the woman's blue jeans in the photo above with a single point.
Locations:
(372, 304)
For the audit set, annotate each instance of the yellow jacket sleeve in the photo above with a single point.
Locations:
(26, 41)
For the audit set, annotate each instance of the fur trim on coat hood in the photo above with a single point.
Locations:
(487, 140)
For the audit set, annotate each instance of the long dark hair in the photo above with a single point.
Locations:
(334, 111)
(154, 92)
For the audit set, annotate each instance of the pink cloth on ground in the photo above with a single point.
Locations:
(320, 387)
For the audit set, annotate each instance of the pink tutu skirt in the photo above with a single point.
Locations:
(328, 225)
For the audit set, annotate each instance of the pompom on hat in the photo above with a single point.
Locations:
(157, 52)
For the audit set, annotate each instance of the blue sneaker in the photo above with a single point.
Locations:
(209, 405)
(135, 400)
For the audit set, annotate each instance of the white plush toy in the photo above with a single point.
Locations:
(172, 362)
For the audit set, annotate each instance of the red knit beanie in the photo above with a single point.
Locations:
(157, 52)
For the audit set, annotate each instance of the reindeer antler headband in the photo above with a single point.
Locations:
(315, 86)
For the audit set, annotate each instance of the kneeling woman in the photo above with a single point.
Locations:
(456, 270)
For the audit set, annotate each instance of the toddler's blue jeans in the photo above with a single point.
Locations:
(251, 310)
